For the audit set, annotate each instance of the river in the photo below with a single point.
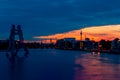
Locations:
(52, 64)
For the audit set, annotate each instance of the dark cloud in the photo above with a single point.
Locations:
(44, 17)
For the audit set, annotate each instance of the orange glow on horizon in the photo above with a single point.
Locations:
(108, 32)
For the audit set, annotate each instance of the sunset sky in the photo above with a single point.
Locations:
(108, 32)
(49, 17)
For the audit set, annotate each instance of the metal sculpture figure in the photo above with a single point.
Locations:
(13, 49)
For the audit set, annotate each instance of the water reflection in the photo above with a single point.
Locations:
(47, 64)
(98, 66)
(43, 65)
(95, 53)
(16, 70)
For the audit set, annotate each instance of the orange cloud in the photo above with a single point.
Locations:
(108, 32)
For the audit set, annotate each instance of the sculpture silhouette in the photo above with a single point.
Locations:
(13, 49)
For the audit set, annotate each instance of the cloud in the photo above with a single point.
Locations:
(103, 34)
(108, 32)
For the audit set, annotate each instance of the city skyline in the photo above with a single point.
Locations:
(48, 17)
(97, 33)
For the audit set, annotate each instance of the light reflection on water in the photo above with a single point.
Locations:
(51, 64)
(98, 66)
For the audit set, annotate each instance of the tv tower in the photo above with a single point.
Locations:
(81, 35)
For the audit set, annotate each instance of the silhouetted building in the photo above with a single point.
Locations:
(66, 43)
(4, 44)
(115, 45)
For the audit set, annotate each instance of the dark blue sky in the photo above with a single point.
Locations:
(45, 17)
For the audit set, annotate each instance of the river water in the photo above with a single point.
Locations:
(52, 64)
